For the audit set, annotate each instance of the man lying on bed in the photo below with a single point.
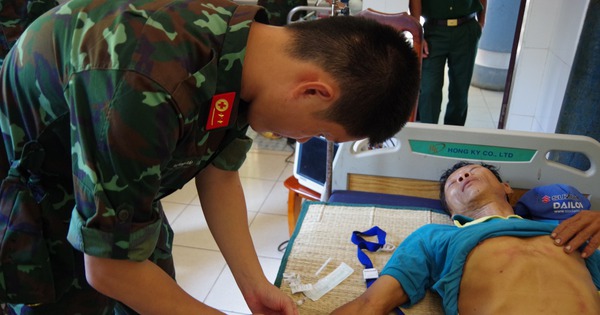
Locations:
(500, 263)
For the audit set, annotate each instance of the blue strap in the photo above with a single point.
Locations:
(361, 243)
(357, 238)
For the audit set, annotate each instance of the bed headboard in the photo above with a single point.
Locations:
(412, 162)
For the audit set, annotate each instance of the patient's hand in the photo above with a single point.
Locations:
(575, 231)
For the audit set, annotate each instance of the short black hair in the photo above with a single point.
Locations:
(448, 172)
(377, 70)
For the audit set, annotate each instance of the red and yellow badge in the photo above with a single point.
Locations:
(220, 110)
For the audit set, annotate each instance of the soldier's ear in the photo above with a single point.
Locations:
(318, 89)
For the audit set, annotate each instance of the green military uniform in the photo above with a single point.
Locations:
(456, 45)
(15, 16)
(129, 100)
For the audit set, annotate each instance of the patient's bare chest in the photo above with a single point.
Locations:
(504, 269)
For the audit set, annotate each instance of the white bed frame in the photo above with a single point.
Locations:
(423, 151)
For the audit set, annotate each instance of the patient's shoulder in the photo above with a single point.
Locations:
(434, 230)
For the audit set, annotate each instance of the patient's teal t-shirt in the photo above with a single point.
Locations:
(433, 256)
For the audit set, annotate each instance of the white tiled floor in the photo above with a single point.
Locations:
(201, 269)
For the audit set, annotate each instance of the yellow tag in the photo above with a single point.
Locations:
(453, 22)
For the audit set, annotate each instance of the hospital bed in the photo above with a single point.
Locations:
(395, 187)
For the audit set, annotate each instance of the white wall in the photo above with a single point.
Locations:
(549, 38)
(389, 6)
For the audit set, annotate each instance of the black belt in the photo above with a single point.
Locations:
(452, 22)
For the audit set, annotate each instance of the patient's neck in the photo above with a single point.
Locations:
(502, 209)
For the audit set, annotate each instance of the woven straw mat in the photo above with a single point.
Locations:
(325, 233)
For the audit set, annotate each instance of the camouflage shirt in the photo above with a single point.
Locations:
(151, 88)
(15, 16)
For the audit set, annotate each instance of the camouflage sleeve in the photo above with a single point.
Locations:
(15, 16)
(123, 132)
(233, 155)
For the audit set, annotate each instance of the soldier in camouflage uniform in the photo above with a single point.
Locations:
(15, 16)
(108, 106)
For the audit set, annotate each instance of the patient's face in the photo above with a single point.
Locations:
(471, 187)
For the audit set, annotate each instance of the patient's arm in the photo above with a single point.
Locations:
(575, 231)
(380, 298)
